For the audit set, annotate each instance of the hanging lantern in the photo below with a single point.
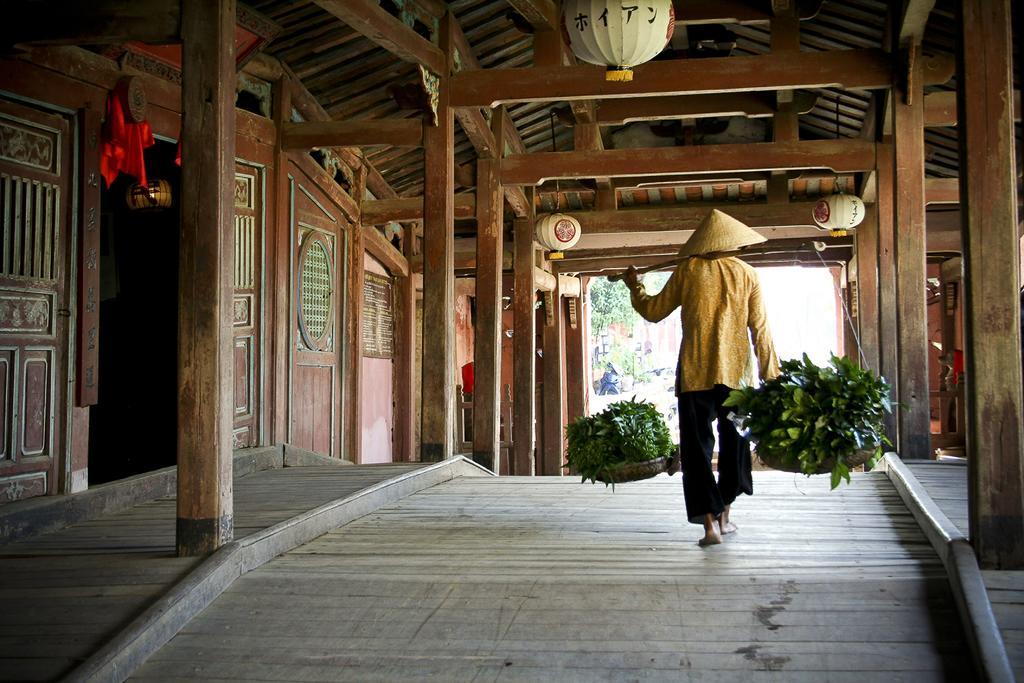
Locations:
(617, 35)
(154, 195)
(558, 232)
(838, 213)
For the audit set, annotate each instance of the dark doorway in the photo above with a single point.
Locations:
(133, 428)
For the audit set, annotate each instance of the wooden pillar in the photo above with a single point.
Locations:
(576, 360)
(355, 271)
(524, 377)
(405, 361)
(205, 386)
(887, 345)
(553, 443)
(279, 234)
(487, 349)
(866, 254)
(438, 427)
(913, 424)
(991, 280)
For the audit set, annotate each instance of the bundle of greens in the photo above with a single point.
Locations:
(811, 419)
(624, 432)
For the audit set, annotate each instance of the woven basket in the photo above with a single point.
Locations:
(777, 462)
(633, 471)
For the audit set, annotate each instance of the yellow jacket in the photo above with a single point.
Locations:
(721, 301)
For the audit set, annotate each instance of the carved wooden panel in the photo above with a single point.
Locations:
(30, 212)
(36, 395)
(246, 305)
(243, 376)
(26, 312)
(6, 402)
(26, 143)
(317, 284)
(22, 486)
(245, 251)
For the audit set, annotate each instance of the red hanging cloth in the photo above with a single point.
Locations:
(123, 142)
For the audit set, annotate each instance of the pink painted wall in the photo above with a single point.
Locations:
(376, 394)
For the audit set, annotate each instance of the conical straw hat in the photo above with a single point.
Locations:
(719, 232)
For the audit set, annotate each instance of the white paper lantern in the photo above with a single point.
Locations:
(617, 34)
(838, 213)
(558, 232)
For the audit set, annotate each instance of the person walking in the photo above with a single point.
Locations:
(722, 311)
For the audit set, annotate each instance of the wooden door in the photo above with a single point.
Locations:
(318, 240)
(35, 205)
(248, 304)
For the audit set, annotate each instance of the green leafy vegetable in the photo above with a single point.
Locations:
(627, 431)
(810, 414)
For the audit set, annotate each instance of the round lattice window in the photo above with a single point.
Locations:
(315, 290)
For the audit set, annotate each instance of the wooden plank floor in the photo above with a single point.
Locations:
(550, 580)
(946, 483)
(64, 594)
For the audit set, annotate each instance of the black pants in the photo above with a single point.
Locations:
(697, 410)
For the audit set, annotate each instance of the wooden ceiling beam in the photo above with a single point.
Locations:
(312, 134)
(841, 156)
(98, 22)
(369, 19)
(686, 217)
(543, 15)
(915, 18)
(615, 112)
(941, 191)
(478, 129)
(311, 110)
(381, 211)
(851, 69)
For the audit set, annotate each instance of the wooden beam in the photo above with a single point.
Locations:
(915, 18)
(991, 275)
(940, 108)
(523, 349)
(487, 330)
(99, 22)
(489, 141)
(911, 312)
(544, 281)
(205, 499)
(368, 18)
(313, 134)
(682, 217)
(385, 252)
(381, 211)
(542, 14)
(438, 366)
(308, 106)
(887, 335)
(577, 359)
(942, 190)
(851, 69)
(552, 452)
(617, 111)
(842, 156)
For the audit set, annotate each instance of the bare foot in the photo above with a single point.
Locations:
(710, 538)
(727, 528)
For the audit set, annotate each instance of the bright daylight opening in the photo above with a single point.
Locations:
(632, 357)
